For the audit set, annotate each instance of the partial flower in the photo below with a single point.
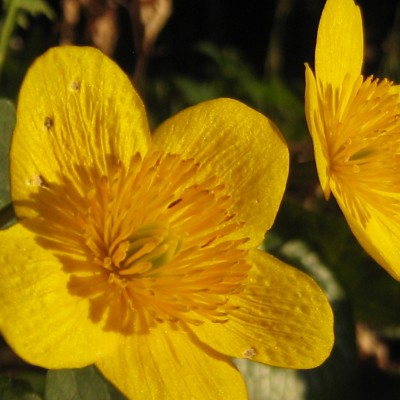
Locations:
(137, 253)
(355, 127)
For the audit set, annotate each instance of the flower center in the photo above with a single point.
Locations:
(361, 123)
(145, 244)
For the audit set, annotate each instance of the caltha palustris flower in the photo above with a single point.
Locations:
(137, 252)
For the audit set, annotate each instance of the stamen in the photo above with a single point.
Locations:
(361, 125)
(148, 243)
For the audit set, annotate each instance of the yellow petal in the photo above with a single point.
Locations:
(339, 49)
(239, 146)
(395, 89)
(41, 321)
(316, 128)
(76, 108)
(283, 318)
(170, 364)
(379, 235)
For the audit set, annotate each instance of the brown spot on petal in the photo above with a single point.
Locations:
(75, 86)
(36, 180)
(250, 353)
(48, 123)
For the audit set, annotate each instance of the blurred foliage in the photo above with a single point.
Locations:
(7, 122)
(15, 13)
(72, 384)
(23, 29)
(226, 74)
(16, 389)
(28, 8)
(79, 384)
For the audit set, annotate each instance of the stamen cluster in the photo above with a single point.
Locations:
(146, 244)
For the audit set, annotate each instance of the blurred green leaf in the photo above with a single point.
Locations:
(79, 384)
(7, 216)
(36, 379)
(36, 7)
(14, 13)
(227, 74)
(265, 382)
(193, 91)
(33, 8)
(23, 20)
(7, 122)
(17, 389)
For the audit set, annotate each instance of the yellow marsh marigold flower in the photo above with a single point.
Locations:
(137, 252)
(355, 127)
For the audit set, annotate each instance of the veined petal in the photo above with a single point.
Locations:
(169, 364)
(41, 321)
(76, 108)
(242, 148)
(379, 234)
(283, 318)
(339, 49)
(314, 123)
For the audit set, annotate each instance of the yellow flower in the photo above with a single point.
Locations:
(137, 252)
(355, 127)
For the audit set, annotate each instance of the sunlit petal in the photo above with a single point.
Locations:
(379, 233)
(242, 148)
(340, 47)
(68, 116)
(317, 131)
(170, 364)
(282, 318)
(39, 318)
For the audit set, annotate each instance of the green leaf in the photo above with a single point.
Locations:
(265, 382)
(36, 7)
(79, 384)
(194, 92)
(17, 389)
(7, 216)
(35, 378)
(23, 20)
(7, 122)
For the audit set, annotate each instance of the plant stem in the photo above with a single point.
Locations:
(7, 29)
